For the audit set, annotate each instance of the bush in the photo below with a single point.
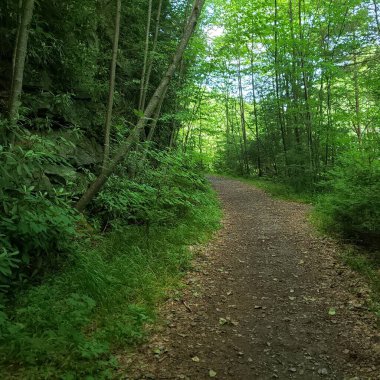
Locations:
(70, 325)
(351, 206)
(165, 189)
(37, 221)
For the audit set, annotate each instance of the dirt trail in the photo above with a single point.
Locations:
(256, 305)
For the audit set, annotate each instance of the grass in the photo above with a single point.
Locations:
(101, 302)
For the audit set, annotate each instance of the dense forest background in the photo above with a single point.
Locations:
(288, 90)
(109, 117)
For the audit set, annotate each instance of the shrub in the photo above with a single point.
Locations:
(351, 206)
(70, 325)
(165, 189)
(36, 221)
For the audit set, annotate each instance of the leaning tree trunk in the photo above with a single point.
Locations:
(107, 126)
(19, 59)
(96, 186)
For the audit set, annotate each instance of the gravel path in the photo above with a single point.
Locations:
(266, 299)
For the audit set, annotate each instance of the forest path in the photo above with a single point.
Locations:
(257, 302)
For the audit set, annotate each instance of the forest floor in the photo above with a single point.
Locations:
(267, 298)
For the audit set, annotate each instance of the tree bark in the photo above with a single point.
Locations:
(152, 53)
(19, 19)
(294, 79)
(157, 114)
(357, 120)
(308, 114)
(242, 119)
(277, 87)
(194, 113)
(255, 115)
(96, 186)
(107, 126)
(19, 59)
(376, 15)
(143, 84)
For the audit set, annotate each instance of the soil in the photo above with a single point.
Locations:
(267, 298)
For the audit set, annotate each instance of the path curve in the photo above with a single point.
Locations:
(257, 303)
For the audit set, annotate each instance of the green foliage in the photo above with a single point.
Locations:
(280, 190)
(37, 221)
(166, 188)
(351, 206)
(70, 326)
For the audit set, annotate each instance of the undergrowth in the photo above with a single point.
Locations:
(349, 205)
(69, 326)
(100, 300)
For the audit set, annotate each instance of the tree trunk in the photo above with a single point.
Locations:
(357, 120)
(376, 15)
(107, 126)
(308, 115)
(238, 141)
(242, 119)
(294, 79)
(255, 115)
(328, 127)
(227, 115)
(157, 114)
(277, 87)
(96, 186)
(19, 60)
(194, 113)
(19, 19)
(152, 53)
(143, 84)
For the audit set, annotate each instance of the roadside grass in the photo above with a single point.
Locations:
(101, 301)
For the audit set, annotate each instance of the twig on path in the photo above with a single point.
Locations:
(187, 306)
